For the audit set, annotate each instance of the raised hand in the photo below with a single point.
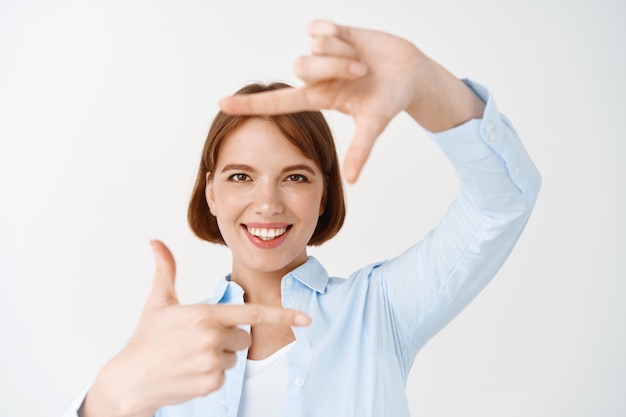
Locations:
(177, 352)
(371, 76)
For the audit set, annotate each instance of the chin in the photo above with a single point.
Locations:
(268, 264)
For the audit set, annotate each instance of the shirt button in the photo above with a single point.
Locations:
(516, 171)
(490, 131)
(289, 282)
(298, 382)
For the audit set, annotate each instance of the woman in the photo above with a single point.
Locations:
(280, 336)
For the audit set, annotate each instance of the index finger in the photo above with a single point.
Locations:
(282, 101)
(234, 315)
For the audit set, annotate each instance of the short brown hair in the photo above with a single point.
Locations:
(308, 131)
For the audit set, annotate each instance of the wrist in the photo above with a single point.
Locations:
(95, 405)
(442, 101)
(112, 395)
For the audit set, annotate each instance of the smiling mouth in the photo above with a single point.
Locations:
(268, 233)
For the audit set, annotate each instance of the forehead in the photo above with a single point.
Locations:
(261, 141)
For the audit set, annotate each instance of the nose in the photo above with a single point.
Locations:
(268, 199)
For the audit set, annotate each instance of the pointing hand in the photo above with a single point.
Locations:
(177, 352)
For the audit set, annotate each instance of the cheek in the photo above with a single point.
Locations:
(311, 206)
(227, 205)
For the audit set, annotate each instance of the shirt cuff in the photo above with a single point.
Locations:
(469, 145)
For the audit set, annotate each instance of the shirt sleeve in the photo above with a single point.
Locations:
(431, 282)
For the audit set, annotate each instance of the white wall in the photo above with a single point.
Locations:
(103, 111)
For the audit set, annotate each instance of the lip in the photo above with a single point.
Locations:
(266, 244)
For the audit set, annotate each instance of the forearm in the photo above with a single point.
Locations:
(434, 280)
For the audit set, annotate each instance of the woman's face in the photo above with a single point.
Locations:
(267, 198)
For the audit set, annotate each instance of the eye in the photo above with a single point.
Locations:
(239, 177)
(297, 178)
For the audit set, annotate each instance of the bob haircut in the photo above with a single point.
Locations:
(308, 131)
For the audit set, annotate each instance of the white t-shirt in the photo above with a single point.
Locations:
(263, 393)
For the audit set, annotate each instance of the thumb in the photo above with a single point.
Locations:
(163, 292)
(368, 128)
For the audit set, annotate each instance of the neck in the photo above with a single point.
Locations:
(261, 287)
(260, 277)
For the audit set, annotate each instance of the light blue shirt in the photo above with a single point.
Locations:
(354, 359)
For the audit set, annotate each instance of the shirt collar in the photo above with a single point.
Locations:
(227, 292)
(311, 273)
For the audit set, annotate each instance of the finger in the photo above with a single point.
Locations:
(368, 128)
(234, 315)
(208, 362)
(321, 27)
(163, 291)
(229, 360)
(332, 46)
(314, 69)
(282, 101)
(213, 362)
(234, 339)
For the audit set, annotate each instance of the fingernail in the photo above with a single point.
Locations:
(229, 104)
(350, 174)
(153, 247)
(302, 320)
(358, 68)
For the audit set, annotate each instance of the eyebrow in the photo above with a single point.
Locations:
(248, 168)
(238, 167)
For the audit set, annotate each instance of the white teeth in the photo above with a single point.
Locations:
(266, 234)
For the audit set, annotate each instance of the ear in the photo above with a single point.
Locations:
(208, 193)
(323, 203)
